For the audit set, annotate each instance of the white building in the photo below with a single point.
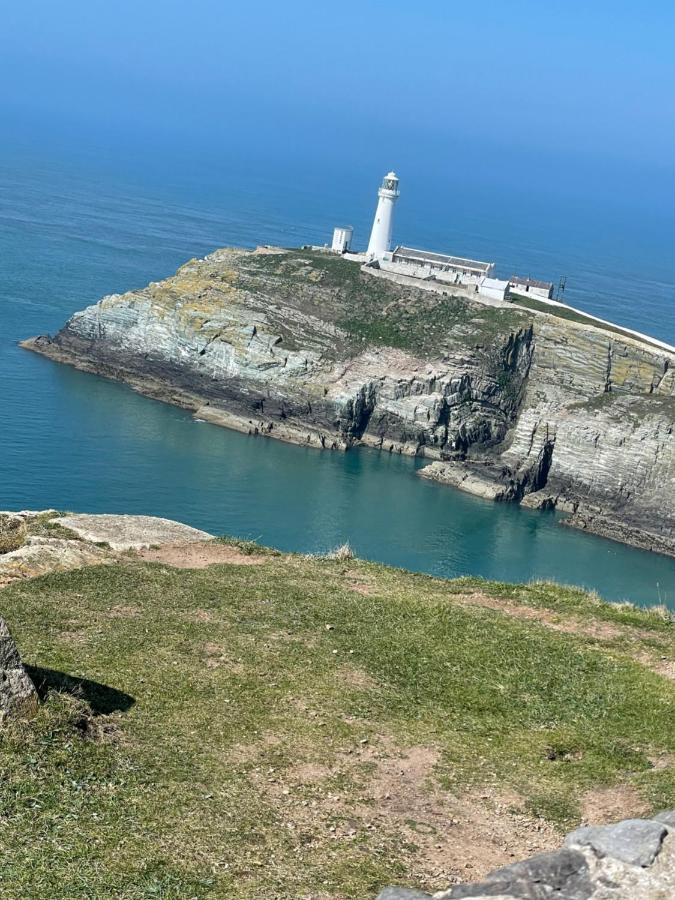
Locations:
(530, 287)
(342, 239)
(473, 274)
(493, 288)
(383, 224)
(441, 267)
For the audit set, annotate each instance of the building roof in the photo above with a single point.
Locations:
(532, 282)
(454, 262)
(496, 283)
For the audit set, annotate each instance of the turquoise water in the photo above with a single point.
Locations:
(70, 440)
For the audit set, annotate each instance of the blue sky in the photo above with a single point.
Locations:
(592, 80)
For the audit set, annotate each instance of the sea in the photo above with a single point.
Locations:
(75, 226)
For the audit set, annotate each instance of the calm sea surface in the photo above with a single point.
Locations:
(69, 234)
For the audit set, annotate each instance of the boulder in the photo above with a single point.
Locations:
(634, 841)
(563, 873)
(17, 691)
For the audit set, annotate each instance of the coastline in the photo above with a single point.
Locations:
(475, 478)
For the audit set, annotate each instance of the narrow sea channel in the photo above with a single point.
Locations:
(73, 441)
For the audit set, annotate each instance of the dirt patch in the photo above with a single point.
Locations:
(605, 631)
(663, 667)
(354, 677)
(390, 796)
(199, 555)
(356, 582)
(601, 631)
(215, 656)
(202, 615)
(605, 805)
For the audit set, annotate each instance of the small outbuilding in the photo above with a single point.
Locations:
(530, 287)
(493, 288)
(342, 239)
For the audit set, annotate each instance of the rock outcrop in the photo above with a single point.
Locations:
(17, 692)
(625, 861)
(54, 543)
(125, 532)
(506, 402)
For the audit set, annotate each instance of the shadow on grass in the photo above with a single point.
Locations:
(101, 698)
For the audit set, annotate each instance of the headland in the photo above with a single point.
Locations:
(518, 403)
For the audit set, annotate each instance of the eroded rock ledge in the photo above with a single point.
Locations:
(625, 861)
(507, 403)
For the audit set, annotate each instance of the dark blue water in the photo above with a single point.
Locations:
(69, 234)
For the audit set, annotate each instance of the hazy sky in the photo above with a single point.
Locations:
(588, 79)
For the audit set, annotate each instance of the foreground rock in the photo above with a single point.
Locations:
(63, 543)
(510, 404)
(41, 555)
(17, 692)
(131, 532)
(626, 861)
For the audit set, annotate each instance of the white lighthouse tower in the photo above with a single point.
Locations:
(380, 236)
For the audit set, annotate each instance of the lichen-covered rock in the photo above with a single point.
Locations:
(17, 692)
(307, 347)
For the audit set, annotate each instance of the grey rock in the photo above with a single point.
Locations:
(398, 893)
(125, 532)
(42, 555)
(634, 841)
(563, 874)
(667, 818)
(17, 692)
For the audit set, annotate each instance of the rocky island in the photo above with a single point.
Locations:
(509, 401)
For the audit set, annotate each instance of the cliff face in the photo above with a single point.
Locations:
(305, 347)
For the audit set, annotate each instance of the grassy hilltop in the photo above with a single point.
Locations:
(282, 726)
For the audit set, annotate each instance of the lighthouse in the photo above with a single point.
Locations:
(380, 236)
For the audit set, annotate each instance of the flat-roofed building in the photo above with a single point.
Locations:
(530, 287)
(441, 266)
(342, 239)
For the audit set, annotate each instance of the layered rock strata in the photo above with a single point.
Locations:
(505, 402)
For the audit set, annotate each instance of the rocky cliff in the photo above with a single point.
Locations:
(504, 401)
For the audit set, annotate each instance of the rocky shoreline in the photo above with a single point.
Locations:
(508, 404)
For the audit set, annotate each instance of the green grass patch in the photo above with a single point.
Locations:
(376, 311)
(573, 315)
(184, 706)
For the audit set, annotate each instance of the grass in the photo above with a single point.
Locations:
(573, 315)
(373, 311)
(182, 704)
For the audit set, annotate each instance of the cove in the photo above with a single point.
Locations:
(112, 450)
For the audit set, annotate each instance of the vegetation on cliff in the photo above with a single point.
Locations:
(286, 726)
(378, 312)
